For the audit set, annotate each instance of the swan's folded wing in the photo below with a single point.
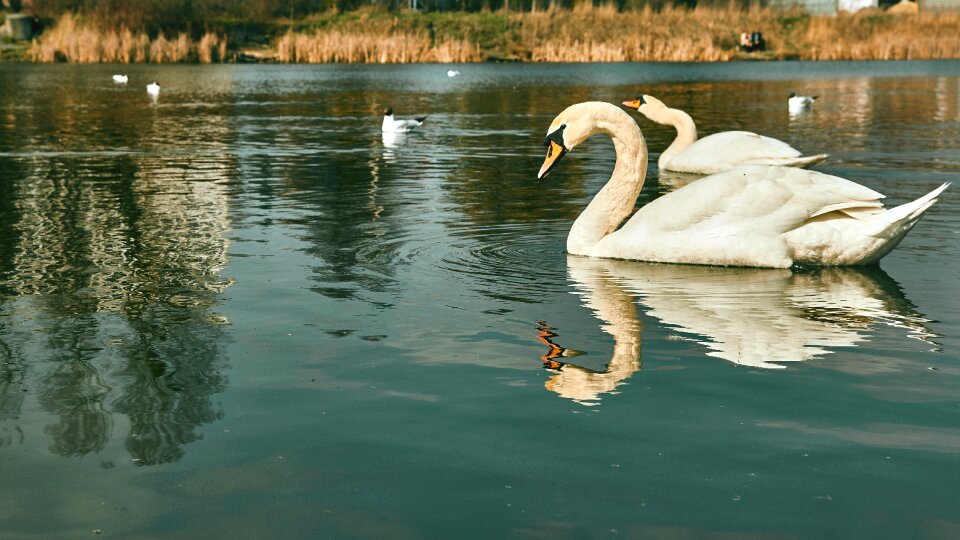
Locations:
(738, 217)
(723, 151)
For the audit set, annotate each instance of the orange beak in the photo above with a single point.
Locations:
(555, 151)
(633, 104)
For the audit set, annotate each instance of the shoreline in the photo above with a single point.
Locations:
(579, 35)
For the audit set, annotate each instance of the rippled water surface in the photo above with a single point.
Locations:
(238, 310)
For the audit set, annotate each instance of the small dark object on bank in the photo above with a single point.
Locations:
(752, 41)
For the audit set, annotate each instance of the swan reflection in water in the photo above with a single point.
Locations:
(751, 317)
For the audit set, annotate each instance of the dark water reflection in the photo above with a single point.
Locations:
(109, 278)
(321, 330)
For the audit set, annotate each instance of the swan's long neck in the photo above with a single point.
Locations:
(686, 133)
(614, 202)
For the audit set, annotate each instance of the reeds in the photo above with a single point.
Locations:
(874, 35)
(72, 40)
(369, 47)
(586, 33)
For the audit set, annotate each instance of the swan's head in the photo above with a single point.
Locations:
(648, 106)
(570, 128)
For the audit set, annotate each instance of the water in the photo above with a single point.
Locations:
(238, 311)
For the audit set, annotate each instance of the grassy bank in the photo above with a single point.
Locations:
(585, 33)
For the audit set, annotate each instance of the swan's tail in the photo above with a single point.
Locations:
(888, 228)
(908, 214)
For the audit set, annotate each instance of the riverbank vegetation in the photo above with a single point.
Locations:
(581, 32)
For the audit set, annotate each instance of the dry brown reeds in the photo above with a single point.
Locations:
(602, 34)
(874, 35)
(589, 33)
(586, 33)
(72, 40)
(398, 47)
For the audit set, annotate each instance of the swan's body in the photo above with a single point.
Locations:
(393, 125)
(720, 151)
(153, 89)
(757, 215)
(797, 104)
(121, 79)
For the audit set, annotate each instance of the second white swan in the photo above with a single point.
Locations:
(717, 152)
(760, 215)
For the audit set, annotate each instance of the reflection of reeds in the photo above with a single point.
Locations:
(72, 40)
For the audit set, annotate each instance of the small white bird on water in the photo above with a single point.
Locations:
(153, 89)
(800, 103)
(390, 124)
(452, 73)
(120, 79)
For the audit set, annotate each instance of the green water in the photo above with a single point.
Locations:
(238, 311)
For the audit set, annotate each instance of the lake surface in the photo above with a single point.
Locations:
(237, 310)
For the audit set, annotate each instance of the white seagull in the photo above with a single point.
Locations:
(452, 73)
(390, 124)
(121, 79)
(153, 89)
(800, 103)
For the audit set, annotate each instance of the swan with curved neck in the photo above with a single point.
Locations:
(719, 151)
(759, 215)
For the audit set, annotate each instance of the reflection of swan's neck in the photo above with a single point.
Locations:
(615, 307)
(686, 133)
(615, 200)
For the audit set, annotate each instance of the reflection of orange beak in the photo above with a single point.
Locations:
(555, 151)
(632, 104)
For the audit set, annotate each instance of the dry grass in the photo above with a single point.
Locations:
(709, 33)
(586, 33)
(72, 40)
(372, 47)
(873, 35)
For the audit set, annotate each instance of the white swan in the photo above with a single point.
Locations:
(120, 79)
(719, 151)
(757, 215)
(797, 104)
(153, 89)
(390, 124)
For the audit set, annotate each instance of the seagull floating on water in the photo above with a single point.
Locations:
(390, 124)
(452, 73)
(122, 79)
(153, 89)
(800, 103)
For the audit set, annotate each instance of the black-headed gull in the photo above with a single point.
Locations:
(153, 89)
(122, 79)
(390, 124)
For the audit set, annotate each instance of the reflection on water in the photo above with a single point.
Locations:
(750, 317)
(110, 276)
(393, 139)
